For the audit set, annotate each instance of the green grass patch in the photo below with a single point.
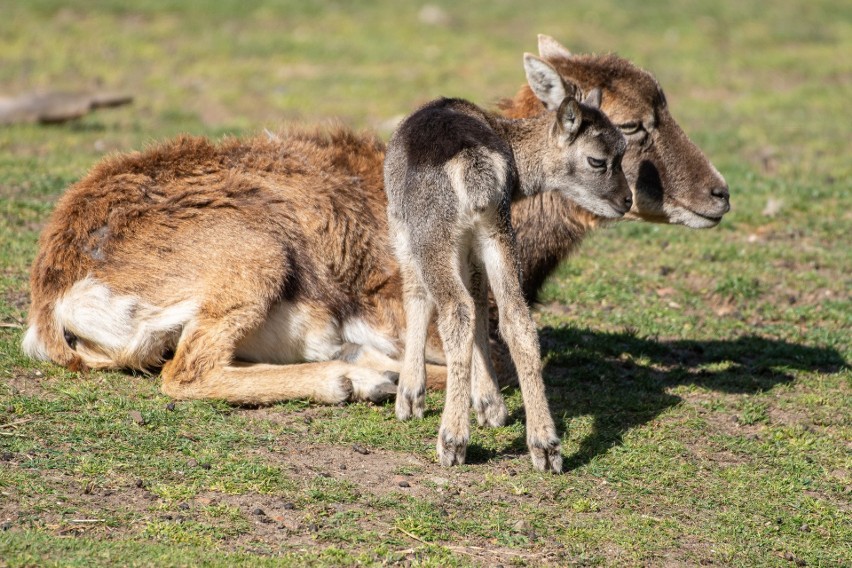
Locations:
(700, 379)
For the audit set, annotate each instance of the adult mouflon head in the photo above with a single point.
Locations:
(583, 160)
(672, 180)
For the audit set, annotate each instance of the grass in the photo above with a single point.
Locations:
(701, 380)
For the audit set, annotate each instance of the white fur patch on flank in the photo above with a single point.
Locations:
(290, 335)
(119, 331)
(466, 163)
(456, 169)
(32, 345)
(357, 331)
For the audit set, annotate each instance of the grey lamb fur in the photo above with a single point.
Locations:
(451, 172)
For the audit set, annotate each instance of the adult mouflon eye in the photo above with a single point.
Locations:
(629, 128)
(596, 162)
(70, 339)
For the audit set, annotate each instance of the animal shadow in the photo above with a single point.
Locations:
(621, 380)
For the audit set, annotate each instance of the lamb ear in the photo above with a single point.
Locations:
(569, 117)
(546, 83)
(549, 48)
(593, 99)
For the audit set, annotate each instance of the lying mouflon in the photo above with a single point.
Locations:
(451, 173)
(259, 269)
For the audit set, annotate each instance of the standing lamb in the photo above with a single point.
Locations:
(451, 173)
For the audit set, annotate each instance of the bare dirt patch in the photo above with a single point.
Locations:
(271, 524)
(731, 425)
(18, 299)
(25, 382)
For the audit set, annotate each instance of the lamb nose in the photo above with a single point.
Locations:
(628, 201)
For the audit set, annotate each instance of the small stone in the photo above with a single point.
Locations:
(805, 528)
(170, 407)
(259, 512)
(773, 207)
(359, 449)
(433, 15)
(520, 526)
(10, 409)
(205, 465)
(404, 483)
(137, 417)
(308, 420)
(289, 506)
(184, 506)
(6, 526)
(192, 462)
(343, 467)
(7, 456)
(139, 483)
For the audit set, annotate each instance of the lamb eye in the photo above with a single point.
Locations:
(630, 127)
(596, 162)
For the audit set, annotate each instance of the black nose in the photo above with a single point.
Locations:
(721, 193)
(628, 201)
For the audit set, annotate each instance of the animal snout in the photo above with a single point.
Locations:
(722, 196)
(721, 192)
(623, 199)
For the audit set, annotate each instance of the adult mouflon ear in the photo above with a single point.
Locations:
(546, 83)
(549, 48)
(569, 117)
(593, 99)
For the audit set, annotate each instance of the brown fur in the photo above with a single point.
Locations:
(242, 226)
(226, 224)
